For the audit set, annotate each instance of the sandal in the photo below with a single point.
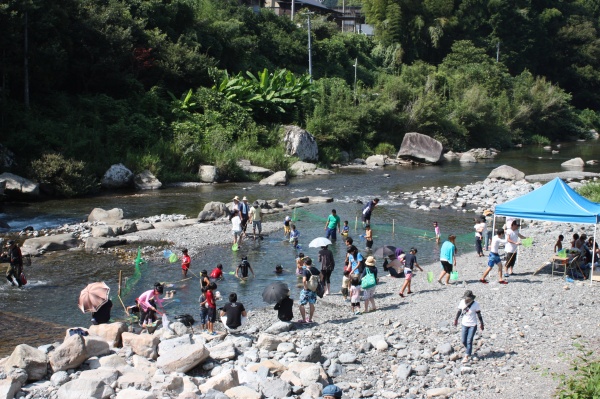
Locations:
(401, 294)
(503, 282)
(301, 321)
(409, 292)
(483, 281)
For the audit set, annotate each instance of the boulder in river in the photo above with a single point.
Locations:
(208, 173)
(300, 143)
(247, 167)
(101, 215)
(19, 185)
(117, 176)
(145, 180)
(375, 161)
(420, 147)
(58, 242)
(301, 168)
(467, 158)
(213, 210)
(507, 173)
(573, 163)
(276, 179)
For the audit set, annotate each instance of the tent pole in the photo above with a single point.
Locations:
(593, 256)
(517, 250)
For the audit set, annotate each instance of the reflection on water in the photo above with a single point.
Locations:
(55, 280)
(18, 329)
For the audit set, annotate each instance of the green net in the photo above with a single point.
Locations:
(430, 277)
(131, 281)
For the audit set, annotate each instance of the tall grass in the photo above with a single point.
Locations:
(590, 191)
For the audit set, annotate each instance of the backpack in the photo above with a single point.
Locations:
(185, 319)
(368, 281)
(313, 281)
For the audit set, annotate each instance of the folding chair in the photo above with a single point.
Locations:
(574, 266)
(564, 263)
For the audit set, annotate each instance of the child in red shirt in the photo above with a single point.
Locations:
(212, 308)
(217, 272)
(185, 262)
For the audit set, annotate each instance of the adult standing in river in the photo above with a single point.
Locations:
(327, 266)
(244, 209)
(15, 259)
(331, 225)
(368, 210)
(256, 219)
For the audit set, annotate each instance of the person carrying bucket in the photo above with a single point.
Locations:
(447, 259)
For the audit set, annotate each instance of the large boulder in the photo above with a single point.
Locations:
(117, 176)
(9, 387)
(276, 179)
(30, 359)
(247, 167)
(298, 142)
(182, 358)
(573, 163)
(376, 161)
(507, 173)
(101, 215)
(483, 153)
(102, 231)
(223, 381)
(223, 351)
(123, 227)
(213, 210)
(19, 185)
(96, 346)
(70, 354)
(58, 242)
(208, 173)
(85, 389)
(146, 181)
(420, 147)
(268, 342)
(110, 332)
(467, 158)
(141, 344)
(94, 243)
(303, 168)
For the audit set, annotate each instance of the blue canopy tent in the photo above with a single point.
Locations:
(555, 202)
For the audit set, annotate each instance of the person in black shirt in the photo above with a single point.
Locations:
(15, 259)
(102, 316)
(243, 269)
(285, 308)
(327, 266)
(233, 314)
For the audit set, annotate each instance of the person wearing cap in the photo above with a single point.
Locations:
(512, 245)
(306, 295)
(242, 269)
(236, 227)
(494, 257)
(15, 259)
(186, 261)
(244, 209)
(256, 219)
(368, 210)
(470, 311)
(332, 392)
(369, 294)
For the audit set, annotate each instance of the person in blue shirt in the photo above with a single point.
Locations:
(447, 259)
(294, 235)
(355, 260)
(331, 225)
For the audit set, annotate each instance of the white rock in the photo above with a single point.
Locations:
(117, 176)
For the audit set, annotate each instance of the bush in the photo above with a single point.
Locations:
(539, 140)
(386, 149)
(585, 381)
(63, 177)
(590, 191)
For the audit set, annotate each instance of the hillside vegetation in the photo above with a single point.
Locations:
(168, 85)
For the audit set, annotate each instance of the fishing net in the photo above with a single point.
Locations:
(131, 281)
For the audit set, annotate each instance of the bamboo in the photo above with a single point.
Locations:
(120, 279)
(355, 224)
(124, 307)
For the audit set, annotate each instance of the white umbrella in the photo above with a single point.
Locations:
(319, 242)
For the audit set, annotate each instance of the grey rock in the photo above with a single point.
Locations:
(117, 176)
(422, 369)
(507, 173)
(420, 147)
(101, 215)
(145, 180)
(276, 179)
(59, 378)
(275, 388)
(85, 389)
(279, 327)
(298, 142)
(335, 370)
(347, 358)
(30, 359)
(573, 163)
(403, 372)
(311, 353)
(208, 173)
(247, 167)
(467, 158)
(19, 185)
(212, 211)
(445, 348)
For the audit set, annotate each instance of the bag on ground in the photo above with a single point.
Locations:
(185, 319)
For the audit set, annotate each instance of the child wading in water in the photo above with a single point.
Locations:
(436, 229)
(410, 261)
(185, 262)
(369, 236)
(294, 235)
(346, 285)
(300, 264)
(286, 226)
(203, 310)
(345, 229)
(355, 295)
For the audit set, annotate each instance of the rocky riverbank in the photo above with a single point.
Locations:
(408, 348)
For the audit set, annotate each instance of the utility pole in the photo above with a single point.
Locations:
(343, 14)
(498, 52)
(26, 62)
(355, 69)
(308, 14)
(293, 1)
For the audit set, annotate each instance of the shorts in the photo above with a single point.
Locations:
(212, 315)
(345, 292)
(331, 233)
(308, 296)
(447, 266)
(511, 258)
(369, 244)
(257, 225)
(366, 217)
(185, 268)
(408, 274)
(203, 316)
(236, 233)
(355, 304)
(493, 259)
(368, 294)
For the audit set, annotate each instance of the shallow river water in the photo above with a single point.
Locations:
(50, 298)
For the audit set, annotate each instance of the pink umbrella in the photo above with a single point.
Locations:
(93, 296)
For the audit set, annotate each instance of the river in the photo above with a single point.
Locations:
(55, 279)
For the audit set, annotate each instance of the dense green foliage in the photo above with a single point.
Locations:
(167, 85)
(584, 382)
(590, 191)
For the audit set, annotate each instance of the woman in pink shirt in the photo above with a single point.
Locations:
(148, 302)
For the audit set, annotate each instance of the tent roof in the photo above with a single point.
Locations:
(555, 201)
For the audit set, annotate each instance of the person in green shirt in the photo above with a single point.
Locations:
(332, 224)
